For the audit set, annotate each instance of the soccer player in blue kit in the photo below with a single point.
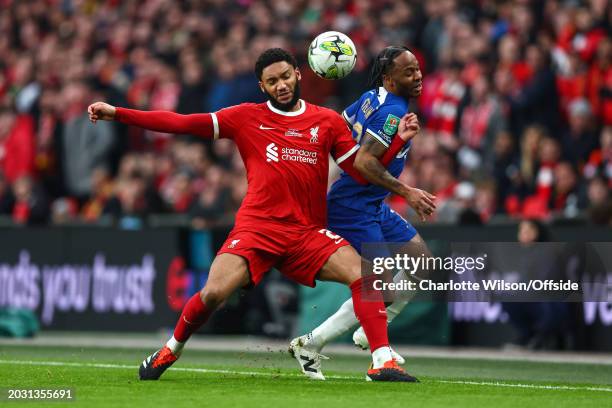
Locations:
(358, 212)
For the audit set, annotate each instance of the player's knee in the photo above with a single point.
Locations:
(350, 274)
(212, 296)
(354, 273)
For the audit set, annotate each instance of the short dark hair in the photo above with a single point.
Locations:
(383, 63)
(542, 232)
(270, 56)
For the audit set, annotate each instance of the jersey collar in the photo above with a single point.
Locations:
(295, 113)
(384, 96)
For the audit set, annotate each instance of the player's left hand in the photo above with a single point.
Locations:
(422, 202)
(408, 127)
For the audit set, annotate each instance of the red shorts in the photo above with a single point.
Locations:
(298, 252)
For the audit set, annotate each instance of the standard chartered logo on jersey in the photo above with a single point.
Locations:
(272, 152)
(290, 154)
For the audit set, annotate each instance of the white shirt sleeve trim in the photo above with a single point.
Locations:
(215, 126)
(349, 120)
(347, 154)
(375, 136)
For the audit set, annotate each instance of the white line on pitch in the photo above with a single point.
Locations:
(276, 374)
(537, 386)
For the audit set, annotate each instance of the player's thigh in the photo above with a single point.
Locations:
(409, 242)
(228, 272)
(343, 266)
(396, 228)
(417, 240)
(357, 228)
(368, 234)
(307, 252)
(259, 248)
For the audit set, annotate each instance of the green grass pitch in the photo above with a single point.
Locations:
(108, 378)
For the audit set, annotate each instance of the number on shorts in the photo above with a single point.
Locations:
(331, 235)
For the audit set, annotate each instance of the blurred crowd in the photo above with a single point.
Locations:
(516, 111)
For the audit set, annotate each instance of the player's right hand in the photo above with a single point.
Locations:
(101, 111)
(408, 127)
(421, 201)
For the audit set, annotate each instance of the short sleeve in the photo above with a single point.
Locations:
(384, 124)
(227, 121)
(350, 113)
(343, 146)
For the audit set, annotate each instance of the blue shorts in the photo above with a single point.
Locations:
(359, 228)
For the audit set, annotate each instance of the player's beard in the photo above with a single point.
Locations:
(286, 107)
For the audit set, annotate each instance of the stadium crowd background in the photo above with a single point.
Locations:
(516, 111)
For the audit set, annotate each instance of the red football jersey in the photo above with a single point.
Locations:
(286, 155)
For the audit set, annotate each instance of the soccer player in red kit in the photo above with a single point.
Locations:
(284, 144)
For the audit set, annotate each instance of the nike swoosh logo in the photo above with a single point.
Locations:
(262, 127)
(382, 311)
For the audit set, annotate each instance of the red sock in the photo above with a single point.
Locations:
(372, 315)
(195, 314)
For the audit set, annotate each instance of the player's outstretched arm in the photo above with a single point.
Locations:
(200, 124)
(370, 163)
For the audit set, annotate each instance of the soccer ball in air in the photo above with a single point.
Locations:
(332, 55)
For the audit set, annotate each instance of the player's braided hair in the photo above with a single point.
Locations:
(270, 56)
(383, 63)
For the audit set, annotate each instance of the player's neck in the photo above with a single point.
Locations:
(297, 109)
(297, 106)
(389, 91)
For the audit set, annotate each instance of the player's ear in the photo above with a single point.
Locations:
(298, 74)
(262, 87)
(387, 81)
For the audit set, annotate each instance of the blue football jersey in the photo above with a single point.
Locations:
(378, 113)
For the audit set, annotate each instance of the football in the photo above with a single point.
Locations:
(332, 55)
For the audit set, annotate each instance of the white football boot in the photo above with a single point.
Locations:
(361, 341)
(309, 361)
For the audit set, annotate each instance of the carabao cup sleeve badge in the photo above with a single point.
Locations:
(391, 125)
